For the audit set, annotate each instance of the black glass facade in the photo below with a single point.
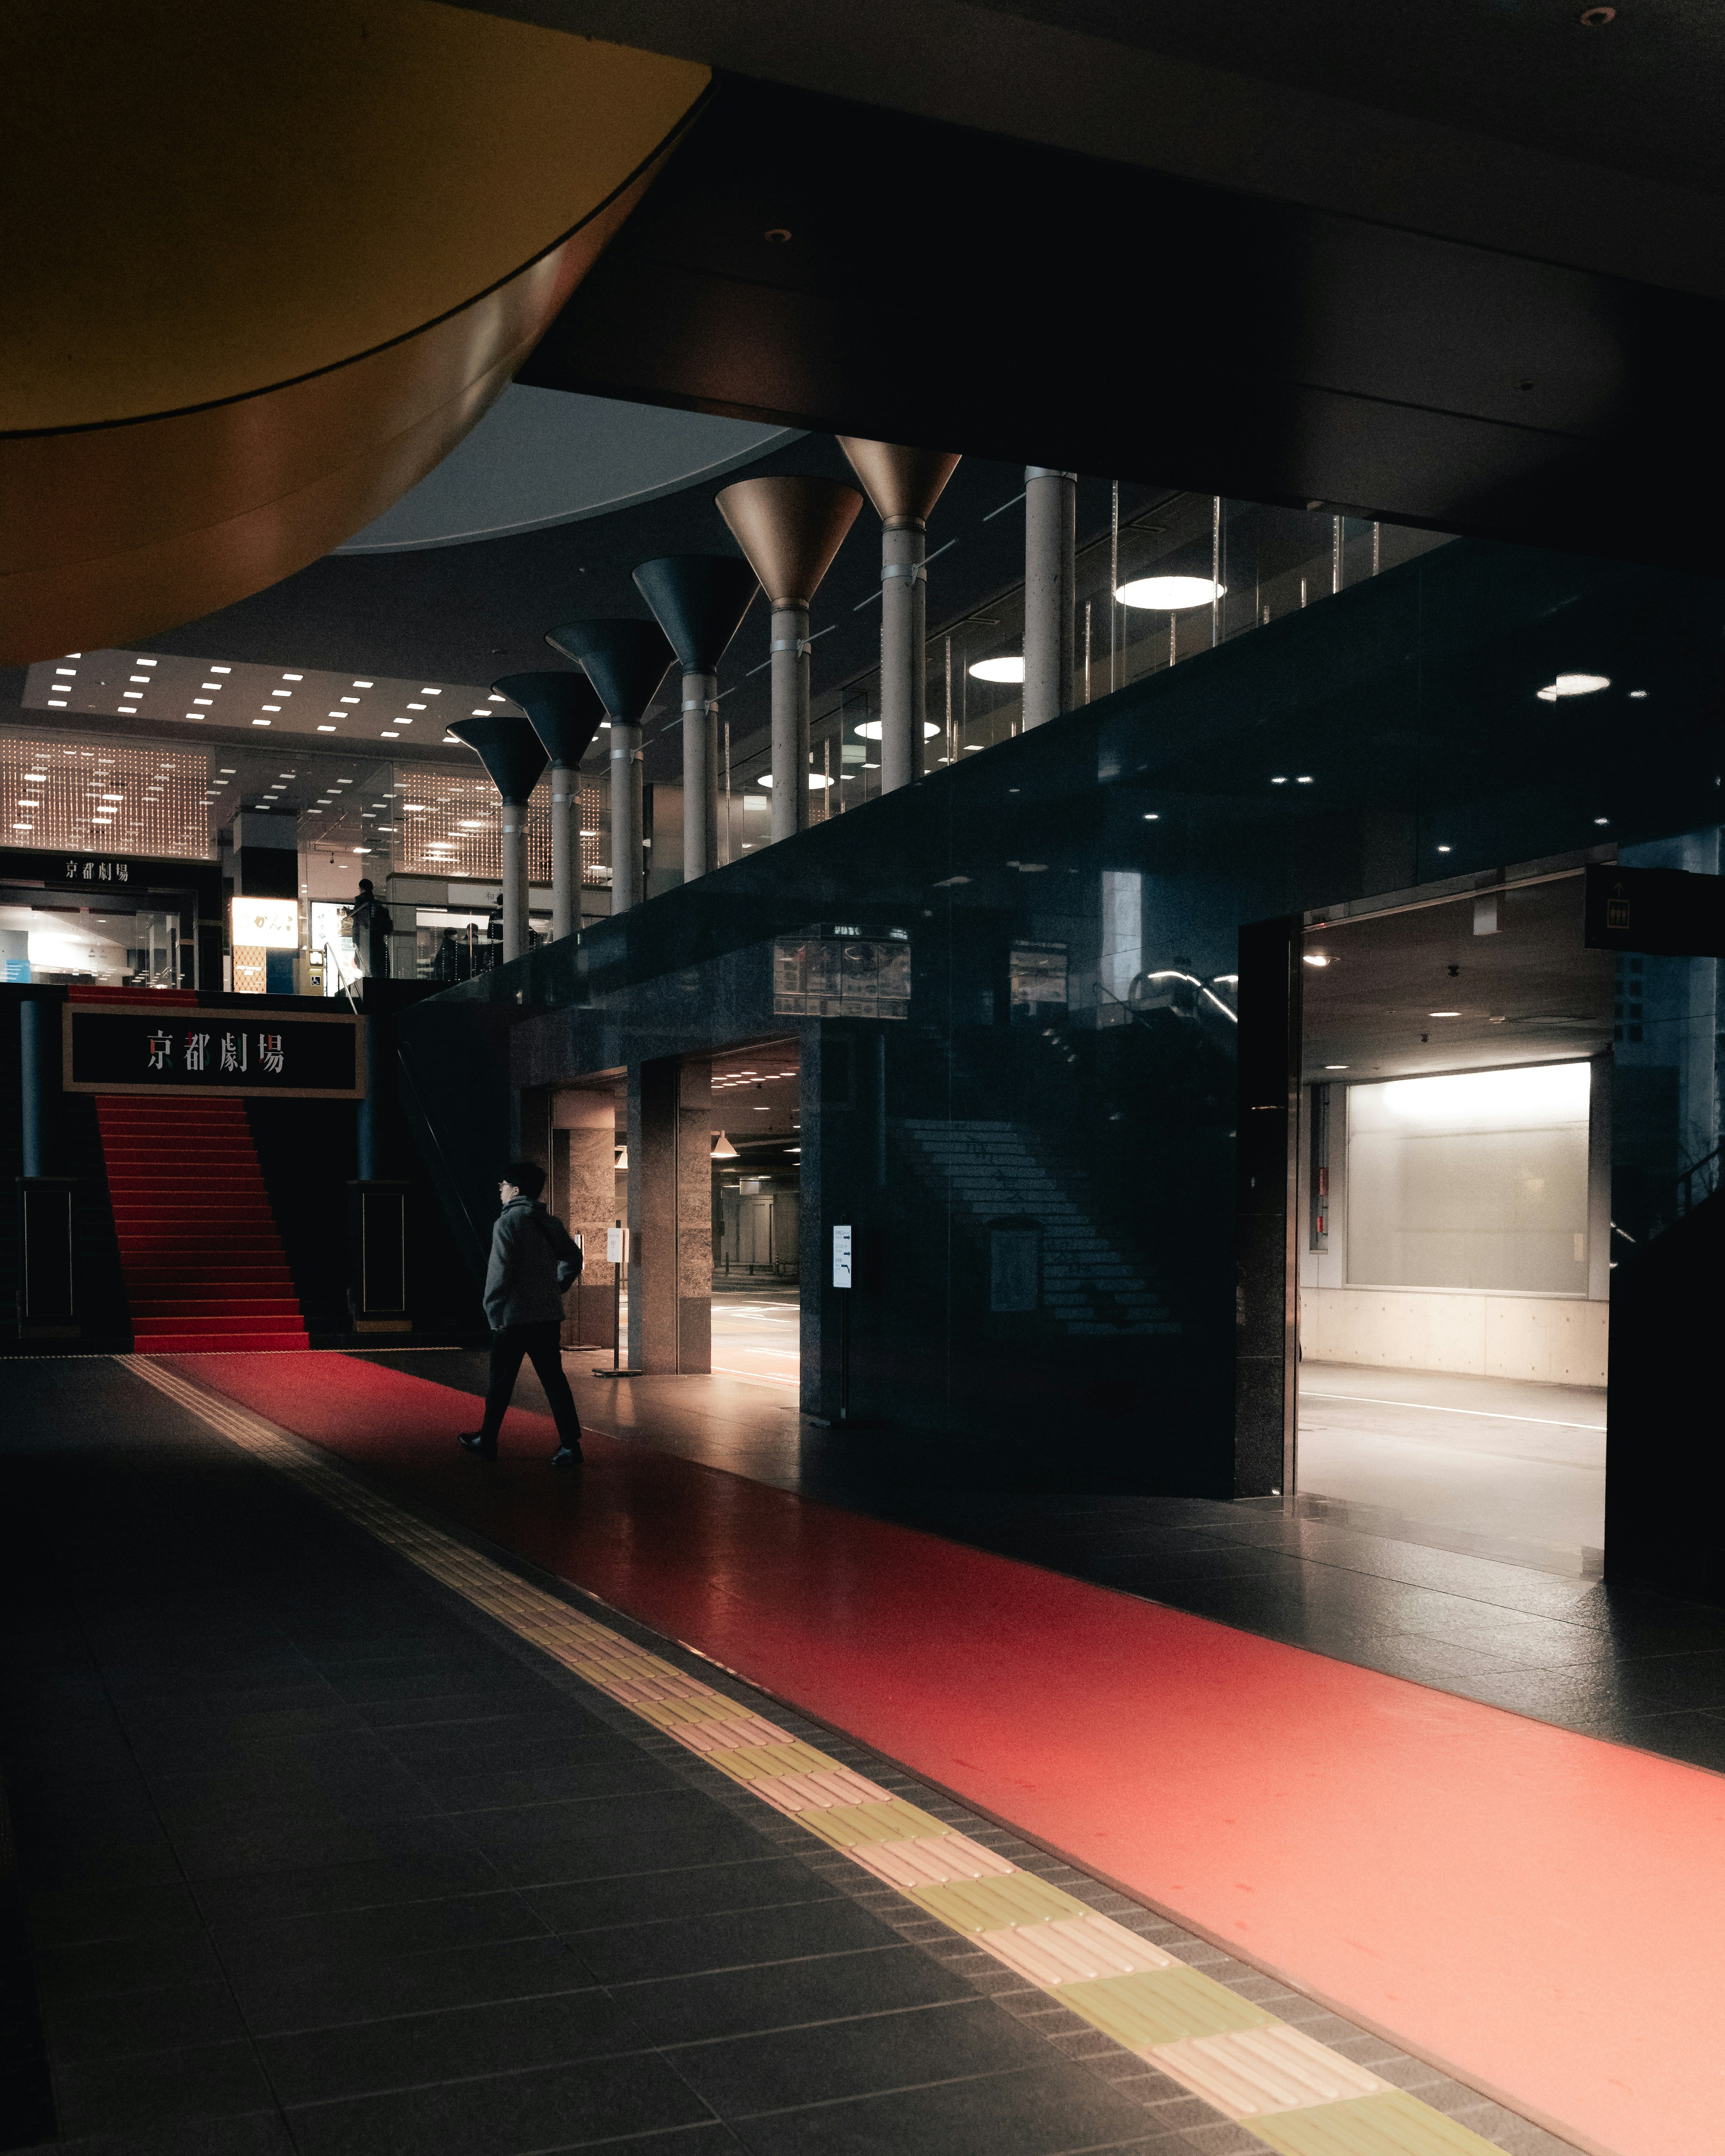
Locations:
(1035, 1139)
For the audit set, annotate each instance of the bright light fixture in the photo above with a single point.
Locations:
(327, 730)
(1317, 958)
(1574, 684)
(723, 1149)
(1169, 594)
(869, 730)
(817, 780)
(998, 669)
(1443, 1013)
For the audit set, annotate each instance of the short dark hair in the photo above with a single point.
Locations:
(527, 1176)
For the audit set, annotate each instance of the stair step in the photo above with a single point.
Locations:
(223, 1321)
(219, 1342)
(216, 1303)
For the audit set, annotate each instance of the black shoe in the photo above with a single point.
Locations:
(566, 1455)
(475, 1441)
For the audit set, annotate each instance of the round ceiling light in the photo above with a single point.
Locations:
(1573, 685)
(869, 730)
(998, 669)
(817, 780)
(1169, 594)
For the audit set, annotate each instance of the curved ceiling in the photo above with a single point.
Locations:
(542, 457)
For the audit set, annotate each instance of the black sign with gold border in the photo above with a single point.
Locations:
(176, 1049)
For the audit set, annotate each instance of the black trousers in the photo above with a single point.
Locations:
(541, 1345)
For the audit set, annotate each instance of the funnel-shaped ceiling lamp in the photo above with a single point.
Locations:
(790, 528)
(515, 757)
(723, 1149)
(904, 485)
(565, 711)
(625, 659)
(699, 600)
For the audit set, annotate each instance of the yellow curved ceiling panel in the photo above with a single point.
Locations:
(263, 266)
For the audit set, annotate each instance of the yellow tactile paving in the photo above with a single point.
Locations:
(1251, 2072)
(1238, 2058)
(987, 1905)
(1393, 2124)
(1160, 2006)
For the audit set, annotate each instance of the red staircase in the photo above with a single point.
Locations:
(203, 1264)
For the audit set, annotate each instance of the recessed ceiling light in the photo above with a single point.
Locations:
(996, 670)
(263, 723)
(1637, 696)
(1317, 958)
(1443, 1013)
(365, 685)
(416, 707)
(1302, 781)
(1152, 816)
(871, 730)
(221, 670)
(1573, 685)
(1445, 849)
(327, 730)
(268, 707)
(1335, 1066)
(293, 677)
(1169, 594)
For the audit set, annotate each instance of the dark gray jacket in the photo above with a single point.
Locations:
(522, 1280)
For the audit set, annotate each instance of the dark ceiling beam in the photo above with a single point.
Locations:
(967, 291)
(1249, 125)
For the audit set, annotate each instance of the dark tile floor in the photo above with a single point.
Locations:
(1613, 1662)
(315, 1859)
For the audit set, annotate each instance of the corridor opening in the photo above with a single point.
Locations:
(692, 1165)
(756, 1186)
(1452, 1221)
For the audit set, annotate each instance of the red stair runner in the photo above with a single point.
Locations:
(203, 1263)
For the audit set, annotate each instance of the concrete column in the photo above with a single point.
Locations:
(671, 1216)
(1051, 522)
(903, 629)
(565, 852)
(626, 832)
(790, 721)
(512, 819)
(700, 774)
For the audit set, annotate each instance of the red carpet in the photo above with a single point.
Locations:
(198, 1245)
(1538, 1912)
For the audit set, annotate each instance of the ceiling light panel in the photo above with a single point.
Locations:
(169, 690)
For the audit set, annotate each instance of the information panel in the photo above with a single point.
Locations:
(840, 972)
(146, 1048)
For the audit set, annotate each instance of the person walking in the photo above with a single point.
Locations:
(534, 1261)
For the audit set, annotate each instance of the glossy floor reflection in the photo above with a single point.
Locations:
(1509, 1468)
(1517, 1626)
(1503, 1889)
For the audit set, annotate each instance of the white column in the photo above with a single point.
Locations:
(1050, 520)
(904, 624)
(513, 820)
(790, 721)
(625, 816)
(701, 775)
(565, 852)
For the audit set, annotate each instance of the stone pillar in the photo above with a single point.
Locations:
(565, 871)
(584, 1147)
(790, 721)
(670, 1215)
(512, 821)
(626, 814)
(1050, 521)
(39, 1022)
(701, 775)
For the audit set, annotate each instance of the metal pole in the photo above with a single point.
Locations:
(1335, 554)
(701, 775)
(565, 871)
(790, 721)
(1215, 570)
(1050, 519)
(903, 629)
(625, 816)
(513, 821)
